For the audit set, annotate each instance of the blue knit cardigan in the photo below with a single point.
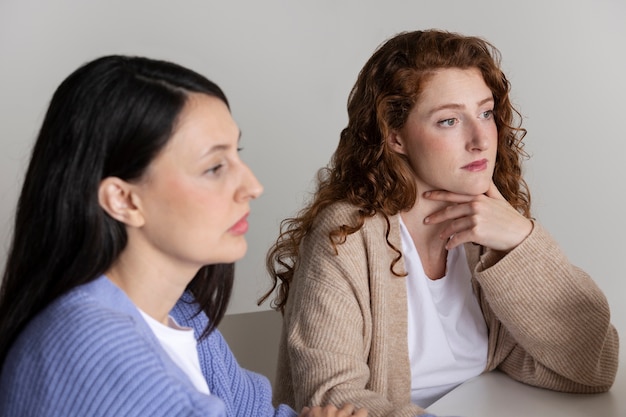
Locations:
(90, 353)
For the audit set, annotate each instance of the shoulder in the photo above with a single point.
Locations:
(323, 251)
(337, 214)
(76, 327)
(93, 333)
(343, 213)
(84, 349)
(374, 235)
(76, 313)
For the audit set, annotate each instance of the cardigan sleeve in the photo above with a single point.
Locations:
(245, 393)
(331, 336)
(549, 322)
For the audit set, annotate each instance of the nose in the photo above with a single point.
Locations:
(250, 187)
(478, 135)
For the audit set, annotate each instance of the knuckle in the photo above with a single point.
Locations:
(475, 205)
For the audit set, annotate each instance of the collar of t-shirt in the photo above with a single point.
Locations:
(180, 344)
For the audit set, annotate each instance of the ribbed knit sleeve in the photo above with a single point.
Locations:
(245, 393)
(549, 322)
(80, 359)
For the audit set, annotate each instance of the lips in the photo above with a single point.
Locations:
(241, 226)
(476, 166)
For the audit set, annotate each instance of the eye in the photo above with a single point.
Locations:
(447, 122)
(487, 114)
(214, 170)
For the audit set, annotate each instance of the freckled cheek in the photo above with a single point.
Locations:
(493, 134)
(435, 154)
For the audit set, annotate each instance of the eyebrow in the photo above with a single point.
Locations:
(218, 148)
(457, 106)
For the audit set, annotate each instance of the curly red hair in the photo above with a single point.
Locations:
(365, 172)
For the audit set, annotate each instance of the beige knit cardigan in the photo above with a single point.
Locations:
(344, 333)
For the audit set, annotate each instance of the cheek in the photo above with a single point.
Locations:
(493, 133)
(208, 209)
(169, 187)
(178, 190)
(177, 201)
(435, 155)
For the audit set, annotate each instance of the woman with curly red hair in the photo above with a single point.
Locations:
(417, 264)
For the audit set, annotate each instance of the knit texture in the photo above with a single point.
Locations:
(90, 353)
(345, 325)
(245, 393)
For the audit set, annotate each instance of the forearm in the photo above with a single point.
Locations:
(553, 310)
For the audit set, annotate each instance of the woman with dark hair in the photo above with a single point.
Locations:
(135, 195)
(417, 264)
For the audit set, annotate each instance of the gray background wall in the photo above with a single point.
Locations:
(287, 67)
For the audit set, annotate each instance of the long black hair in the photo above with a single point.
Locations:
(110, 117)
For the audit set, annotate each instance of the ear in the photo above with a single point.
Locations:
(118, 199)
(395, 142)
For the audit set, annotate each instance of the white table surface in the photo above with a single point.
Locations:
(495, 394)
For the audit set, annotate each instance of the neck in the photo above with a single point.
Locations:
(430, 247)
(153, 288)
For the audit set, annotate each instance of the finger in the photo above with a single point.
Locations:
(361, 412)
(449, 213)
(441, 195)
(328, 410)
(458, 239)
(346, 410)
(314, 411)
(459, 231)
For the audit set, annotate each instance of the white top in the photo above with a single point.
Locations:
(180, 344)
(447, 334)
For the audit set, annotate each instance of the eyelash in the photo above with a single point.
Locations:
(215, 169)
(487, 114)
(444, 122)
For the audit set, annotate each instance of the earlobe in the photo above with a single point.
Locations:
(394, 140)
(117, 198)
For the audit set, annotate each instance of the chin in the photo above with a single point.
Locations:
(471, 191)
(483, 191)
(226, 253)
(233, 255)
(477, 188)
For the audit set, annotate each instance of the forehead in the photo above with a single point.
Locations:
(452, 85)
(204, 122)
(204, 128)
(202, 111)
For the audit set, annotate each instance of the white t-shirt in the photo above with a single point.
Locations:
(180, 344)
(447, 333)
